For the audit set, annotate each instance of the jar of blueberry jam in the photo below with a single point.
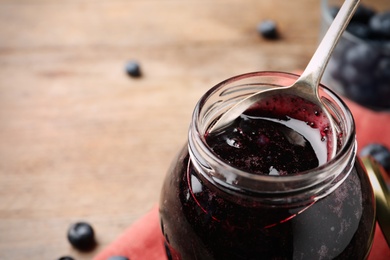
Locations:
(264, 186)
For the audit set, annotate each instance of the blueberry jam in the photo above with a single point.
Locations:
(263, 146)
(265, 141)
(201, 219)
(198, 222)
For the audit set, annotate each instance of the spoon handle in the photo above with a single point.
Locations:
(311, 76)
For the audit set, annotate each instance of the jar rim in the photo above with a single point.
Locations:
(236, 179)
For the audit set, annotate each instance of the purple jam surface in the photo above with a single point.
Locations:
(264, 147)
(275, 137)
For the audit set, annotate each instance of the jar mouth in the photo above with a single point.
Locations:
(327, 17)
(217, 171)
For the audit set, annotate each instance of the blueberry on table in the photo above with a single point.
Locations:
(118, 257)
(379, 153)
(380, 24)
(133, 69)
(268, 29)
(81, 236)
(66, 258)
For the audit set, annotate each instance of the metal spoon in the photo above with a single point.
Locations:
(307, 84)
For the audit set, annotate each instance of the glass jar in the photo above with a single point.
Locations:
(210, 209)
(359, 68)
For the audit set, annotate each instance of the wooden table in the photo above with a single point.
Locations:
(81, 140)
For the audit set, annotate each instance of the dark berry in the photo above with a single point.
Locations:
(363, 14)
(362, 56)
(268, 29)
(363, 94)
(380, 24)
(118, 257)
(133, 69)
(383, 68)
(379, 153)
(354, 76)
(81, 236)
(360, 30)
(66, 258)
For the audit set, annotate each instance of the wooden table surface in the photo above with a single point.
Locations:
(81, 140)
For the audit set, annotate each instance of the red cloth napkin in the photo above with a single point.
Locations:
(144, 241)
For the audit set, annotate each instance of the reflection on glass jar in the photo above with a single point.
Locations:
(211, 208)
(360, 65)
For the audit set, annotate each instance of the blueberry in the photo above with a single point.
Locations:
(133, 69)
(354, 76)
(360, 30)
(382, 70)
(362, 56)
(118, 257)
(268, 29)
(382, 100)
(384, 65)
(363, 14)
(66, 258)
(380, 24)
(363, 94)
(81, 236)
(379, 153)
